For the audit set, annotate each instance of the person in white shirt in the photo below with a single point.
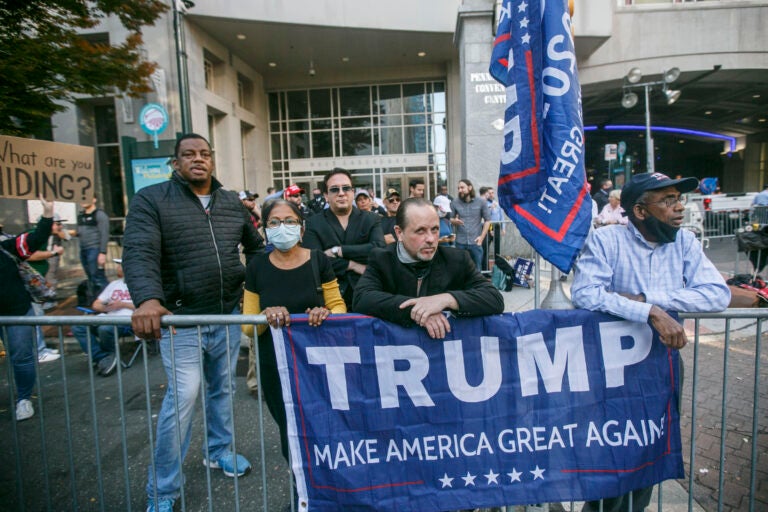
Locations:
(113, 300)
(612, 212)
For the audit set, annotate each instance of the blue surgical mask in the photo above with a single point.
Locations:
(284, 237)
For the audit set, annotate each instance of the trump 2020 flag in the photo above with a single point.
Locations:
(542, 183)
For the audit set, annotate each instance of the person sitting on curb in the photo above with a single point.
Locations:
(113, 300)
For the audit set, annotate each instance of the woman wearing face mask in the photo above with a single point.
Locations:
(289, 280)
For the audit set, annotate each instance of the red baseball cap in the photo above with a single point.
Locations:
(293, 190)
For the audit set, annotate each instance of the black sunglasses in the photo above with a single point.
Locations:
(346, 189)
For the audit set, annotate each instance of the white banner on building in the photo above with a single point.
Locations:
(358, 162)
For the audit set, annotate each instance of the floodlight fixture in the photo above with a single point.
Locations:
(629, 99)
(671, 95)
(634, 75)
(671, 75)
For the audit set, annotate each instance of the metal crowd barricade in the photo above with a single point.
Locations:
(724, 223)
(758, 217)
(90, 442)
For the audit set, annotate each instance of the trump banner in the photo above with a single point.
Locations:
(542, 183)
(519, 408)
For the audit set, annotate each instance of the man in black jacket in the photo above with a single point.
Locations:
(415, 280)
(181, 256)
(344, 233)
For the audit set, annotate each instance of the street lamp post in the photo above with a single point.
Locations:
(180, 7)
(629, 100)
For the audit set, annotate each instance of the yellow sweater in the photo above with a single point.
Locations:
(252, 305)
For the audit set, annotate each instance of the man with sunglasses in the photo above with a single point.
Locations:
(644, 269)
(391, 204)
(345, 234)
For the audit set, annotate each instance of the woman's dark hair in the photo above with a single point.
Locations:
(269, 206)
(405, 205)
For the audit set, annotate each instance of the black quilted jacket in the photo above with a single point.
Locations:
(176, 252)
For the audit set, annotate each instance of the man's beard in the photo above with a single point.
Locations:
(663, 232)
(463, 195)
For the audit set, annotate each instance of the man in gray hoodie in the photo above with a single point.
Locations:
(93, 233)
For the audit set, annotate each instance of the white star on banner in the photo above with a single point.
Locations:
(538, 473)
(469, 479)
(524, 22)
(526, 38)
(522, 7)
(492, 477)
(446, 481)
(514, 476)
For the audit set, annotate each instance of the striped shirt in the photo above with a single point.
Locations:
(675, 276)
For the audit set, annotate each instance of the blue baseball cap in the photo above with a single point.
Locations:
(641, 183)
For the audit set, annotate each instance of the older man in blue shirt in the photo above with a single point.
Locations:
(644, 269)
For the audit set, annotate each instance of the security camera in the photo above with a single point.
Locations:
(312, 71)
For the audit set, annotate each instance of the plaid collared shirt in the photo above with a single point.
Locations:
(675, 276)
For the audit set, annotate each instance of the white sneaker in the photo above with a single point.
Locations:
(24, 410)
(47, 355)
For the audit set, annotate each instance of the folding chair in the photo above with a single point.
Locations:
(151, 349)
(122, 337)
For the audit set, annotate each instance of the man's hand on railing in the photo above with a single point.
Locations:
(671, 333)
(146, 319)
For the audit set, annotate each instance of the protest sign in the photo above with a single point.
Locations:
(519, 408)
(59, 172)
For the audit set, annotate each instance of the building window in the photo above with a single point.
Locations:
(111, 193)
(360, 121)
(208, 72)
(244, 91)
(213, 69)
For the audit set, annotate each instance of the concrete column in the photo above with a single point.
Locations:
(482, 99)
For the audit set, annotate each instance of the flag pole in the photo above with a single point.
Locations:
(556, 297)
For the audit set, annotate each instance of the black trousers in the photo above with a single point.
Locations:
(640, 500)
(270, 387)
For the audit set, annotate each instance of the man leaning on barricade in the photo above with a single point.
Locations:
(181, 257)
(415, 280)
(644, 269)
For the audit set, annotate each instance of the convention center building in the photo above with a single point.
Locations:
(397, 90)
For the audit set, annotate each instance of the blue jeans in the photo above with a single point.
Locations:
(475, 251)
(89, 259)
(39, 338)
(102, 339)
(183, 388)
(20, 344)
